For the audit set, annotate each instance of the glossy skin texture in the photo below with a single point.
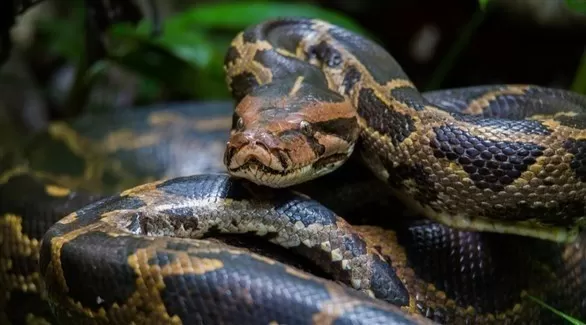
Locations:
(518, 170)
(451, 276)
(52, 177)
(192, 278)
(290, 133)
(119, 259)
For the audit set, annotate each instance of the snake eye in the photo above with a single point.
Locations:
(305, 128)
(240, 124)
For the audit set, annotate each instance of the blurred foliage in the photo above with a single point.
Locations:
(570, 319)
(186, 59)
(237, 15)
(579, 84)
(463, 39)
(482, 4)
(65, 38)
(577, 5)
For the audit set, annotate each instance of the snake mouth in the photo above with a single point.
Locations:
(261, 174)
(255, 164)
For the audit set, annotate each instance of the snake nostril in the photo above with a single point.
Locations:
(262, 145)
(252, 159)
(256, 155)
(283, 159)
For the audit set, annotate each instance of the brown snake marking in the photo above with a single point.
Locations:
(131, 223)
(153, 263)
(51, 158)
(521, 175)
(424, 292)
(96, 161)
(84, 239)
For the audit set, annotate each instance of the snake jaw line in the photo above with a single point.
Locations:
(262, 175)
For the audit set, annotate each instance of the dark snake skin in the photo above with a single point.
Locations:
(517, 171)
(119, 256)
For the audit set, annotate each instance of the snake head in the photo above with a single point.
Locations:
(285, 135)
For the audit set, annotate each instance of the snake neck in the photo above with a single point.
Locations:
(459, 169)
(325, 58)
(323, 54)
(318, 62)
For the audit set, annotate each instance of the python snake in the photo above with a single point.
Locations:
(505, 195)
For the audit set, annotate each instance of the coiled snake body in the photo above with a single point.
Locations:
(498, 169)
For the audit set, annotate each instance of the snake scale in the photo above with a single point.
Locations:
(132, 218)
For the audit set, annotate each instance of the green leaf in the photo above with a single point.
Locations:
(189, 33)
(153, 60)
(183, 60)
(579, 83)
(149, 91)
(238, 15)
(577, 5)
(199, 38)
(483, 4)
(191, 46)
(65, 37)
(570, 319)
